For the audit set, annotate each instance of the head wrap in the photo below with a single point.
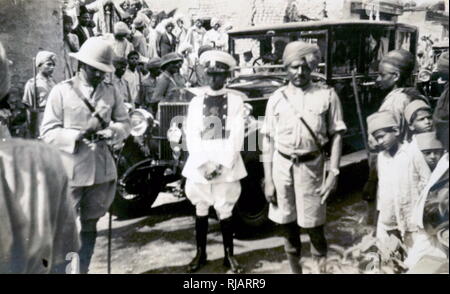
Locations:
(442, 63)
(298, 50)
(139, 21)
(413, 107)
(381, 120)
(44, 56)
(401, 59)
(215, 21)
(4, 73)
(178, 17)
(428, 141)
(217, 61)
(121, 28)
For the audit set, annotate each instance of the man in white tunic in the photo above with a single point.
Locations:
(215, 134)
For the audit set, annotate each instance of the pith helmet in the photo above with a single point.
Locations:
(96, 52)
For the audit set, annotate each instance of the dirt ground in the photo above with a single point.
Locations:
(163, 242)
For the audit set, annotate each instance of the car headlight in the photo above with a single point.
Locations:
(139, 123)
(424, 75)
(174, 134)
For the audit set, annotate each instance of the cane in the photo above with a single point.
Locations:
(109, 240)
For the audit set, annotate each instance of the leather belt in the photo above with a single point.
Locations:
(301, 158)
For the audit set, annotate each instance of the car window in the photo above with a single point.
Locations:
(376, 45)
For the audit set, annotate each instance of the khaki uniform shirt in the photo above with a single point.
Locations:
(319, 106)
(44, 86)
(64, 117)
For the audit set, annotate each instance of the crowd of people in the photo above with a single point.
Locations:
(110, 61)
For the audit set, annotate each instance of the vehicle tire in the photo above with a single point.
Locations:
(127, 206)
(251, 211)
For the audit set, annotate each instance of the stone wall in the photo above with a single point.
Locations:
(27, 26)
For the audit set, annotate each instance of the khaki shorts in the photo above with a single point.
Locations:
(93, 202)
(295, 185)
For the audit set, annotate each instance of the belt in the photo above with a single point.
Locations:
(301, 158)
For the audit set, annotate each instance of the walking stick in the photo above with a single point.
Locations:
(109, 240)
(33, 127)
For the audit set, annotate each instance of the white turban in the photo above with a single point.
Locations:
(44, 56)
(298, 50)
(4, 73)
(121, 28)
(215, 21)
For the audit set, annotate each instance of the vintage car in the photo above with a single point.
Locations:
(351, 52)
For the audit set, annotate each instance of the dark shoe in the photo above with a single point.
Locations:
(229, 261)
(201, 231)
(294, 263)
(198, 262)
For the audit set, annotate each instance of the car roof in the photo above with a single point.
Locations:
(287, 27)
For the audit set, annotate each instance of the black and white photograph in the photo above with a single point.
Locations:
(224, 142)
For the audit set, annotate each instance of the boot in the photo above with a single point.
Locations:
(292, 246)
(86, 250)
(201, 231)
(229, 261)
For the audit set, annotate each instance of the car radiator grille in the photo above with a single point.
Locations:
(166, 112)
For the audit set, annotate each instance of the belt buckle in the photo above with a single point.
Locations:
(294, 159)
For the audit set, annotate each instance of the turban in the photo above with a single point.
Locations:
(44, 56)
(442, 63)
(401, 59)
(381, 120)
(413, 107)
(298, 50)
(215, 21)
(428, 141)
(4, 73)
(121, 28)
(217, 61)
(139, 21)
(179, 17)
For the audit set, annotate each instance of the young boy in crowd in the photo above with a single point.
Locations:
(393, 204)
(418, 116)
(431, 148)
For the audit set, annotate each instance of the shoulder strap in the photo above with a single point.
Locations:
(297, 114)
(86, 102)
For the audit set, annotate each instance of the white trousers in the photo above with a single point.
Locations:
(222, 196)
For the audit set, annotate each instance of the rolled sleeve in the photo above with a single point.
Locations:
(335, 115)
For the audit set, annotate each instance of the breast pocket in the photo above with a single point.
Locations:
(75, 115)
(315, 117)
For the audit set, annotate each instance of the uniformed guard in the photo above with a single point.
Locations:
(215, 134)
(82, 117)
(42, 84)
(300, 119)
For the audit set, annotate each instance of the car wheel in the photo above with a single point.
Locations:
(251, 211)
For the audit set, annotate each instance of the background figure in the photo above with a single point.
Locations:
(121, 46)
(133, 76)
(195, 35)
(71, 44)
(215, 37)
(149, 81)
(180, 32)
(45, 64)
(84, 29)
(121, 85)
(137, 37)
(167, 41)
(187, 69)
(152, 37)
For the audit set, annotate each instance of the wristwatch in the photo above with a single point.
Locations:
(335, 171)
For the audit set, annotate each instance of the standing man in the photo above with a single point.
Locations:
(71, 44)
(83, 116)
(167, 41)
(215, 125)
(300, 119)
(214, 37)
(45, 64)
(84, 30)
(133, 76)
(170, 82)
(195, 35)
(180, 31)
(121, 85)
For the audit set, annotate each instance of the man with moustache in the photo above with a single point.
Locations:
(300, 119)
(82, 117)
